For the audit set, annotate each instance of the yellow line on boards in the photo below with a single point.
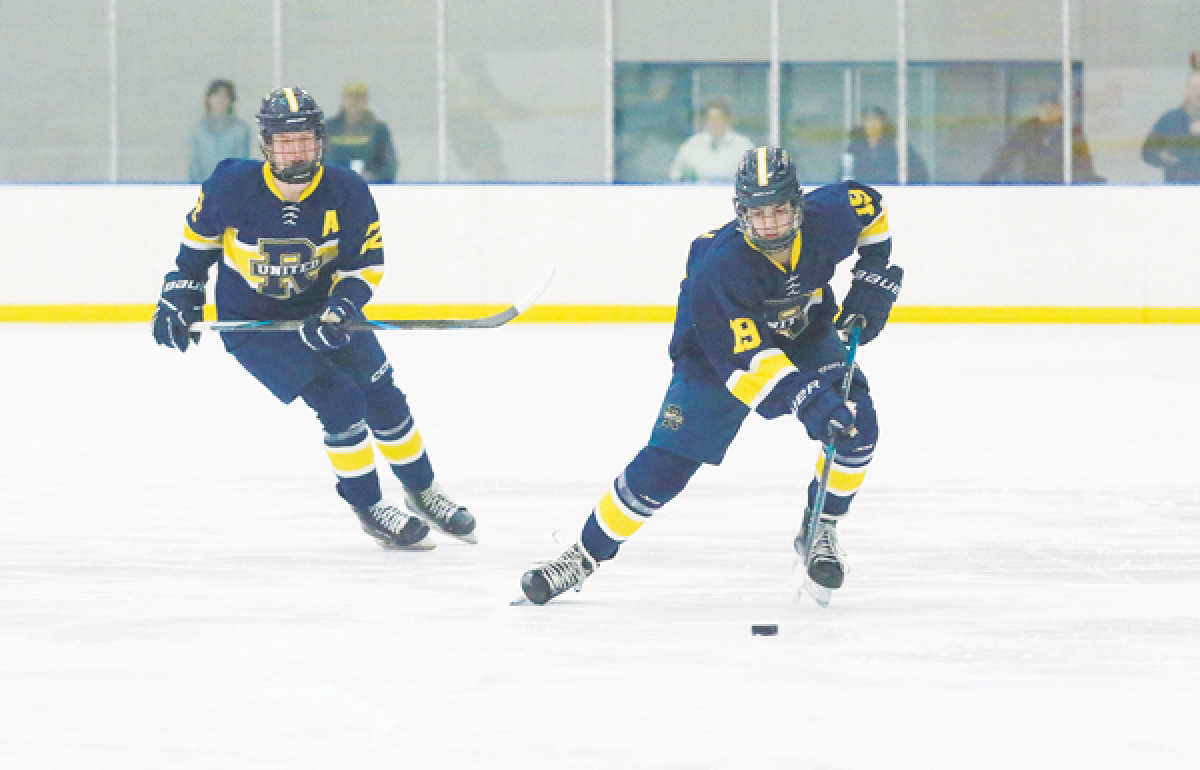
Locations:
(983, 314)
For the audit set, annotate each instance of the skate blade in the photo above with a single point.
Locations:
(424, 544)
(470, 537)
(521, 601)
(818, 593)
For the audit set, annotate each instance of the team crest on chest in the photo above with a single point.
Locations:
(285, 267)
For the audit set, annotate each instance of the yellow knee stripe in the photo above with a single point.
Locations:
(843, 480)
(618, 521)
(352, 461)
(403, 450)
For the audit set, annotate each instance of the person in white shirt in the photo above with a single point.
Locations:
(711, 155)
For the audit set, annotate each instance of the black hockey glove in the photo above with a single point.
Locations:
(823, 412)
(871, 295)
(181, 305)
(326, 331)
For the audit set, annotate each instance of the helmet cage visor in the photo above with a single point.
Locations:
(290, 111)
(761, 241)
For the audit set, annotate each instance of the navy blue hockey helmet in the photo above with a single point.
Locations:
(285, 110)
(766, 176)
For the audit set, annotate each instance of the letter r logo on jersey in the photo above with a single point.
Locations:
(288, 267)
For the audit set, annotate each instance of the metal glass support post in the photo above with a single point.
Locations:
(277, 46)
(901, 93)
(442, 148)
(610, 157)
(112, 91)
(773, 80)
(1068, 92)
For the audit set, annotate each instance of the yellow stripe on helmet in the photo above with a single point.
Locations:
(762, 166)
(291, 97)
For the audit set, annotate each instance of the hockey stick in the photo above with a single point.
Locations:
(487, 322)
(814, 515)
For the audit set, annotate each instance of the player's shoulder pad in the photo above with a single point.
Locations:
(718, 241)
(231, 173)
(347, 184)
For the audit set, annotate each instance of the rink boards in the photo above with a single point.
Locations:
(971, 254)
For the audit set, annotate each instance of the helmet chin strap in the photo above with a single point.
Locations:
(297, 173)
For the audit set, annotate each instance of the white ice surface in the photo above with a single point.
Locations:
(180, 586)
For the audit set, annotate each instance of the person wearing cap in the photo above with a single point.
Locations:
(1038, 144)
(360, 141)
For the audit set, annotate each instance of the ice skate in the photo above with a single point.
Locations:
(436, 509)
(824, 570)
(543, 583)
(394, 528)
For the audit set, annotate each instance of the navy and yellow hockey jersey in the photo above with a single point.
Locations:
(739, 312)
(278, 259)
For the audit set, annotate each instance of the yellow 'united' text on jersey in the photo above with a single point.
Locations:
(279, 259)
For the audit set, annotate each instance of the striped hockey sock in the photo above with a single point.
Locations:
(404, 450)
(353, 459)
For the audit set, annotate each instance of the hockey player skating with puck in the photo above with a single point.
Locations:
(296, 240)
(756, 329)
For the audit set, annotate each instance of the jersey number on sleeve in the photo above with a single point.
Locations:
(862, 203)
(745, 335)
(196, 211)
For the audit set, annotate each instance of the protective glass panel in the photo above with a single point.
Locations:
(165, 67)
(373, 69)
(838, 61)
(1141, 95)
(525, 91)
(54, 107)
(686, 122)
(986, 78)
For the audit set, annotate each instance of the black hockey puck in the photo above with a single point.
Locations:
(764, 630)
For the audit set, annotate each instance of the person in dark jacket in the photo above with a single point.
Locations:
(1038, 145)
(358, 140)
(872, 152)
(1174, 143)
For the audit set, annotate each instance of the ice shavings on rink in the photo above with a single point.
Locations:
(180, 586)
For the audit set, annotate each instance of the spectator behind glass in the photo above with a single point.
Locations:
(1037, 144)
(651, 120)
(1174, 142)
(360, 141)
(713, 154)
(220, 134)
(872, 151)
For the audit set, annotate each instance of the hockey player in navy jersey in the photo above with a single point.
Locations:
(296, 240)
(756, 329)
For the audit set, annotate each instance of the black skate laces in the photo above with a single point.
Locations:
(825, 543)
(437, 504)
(392, 518)
(567, 571)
